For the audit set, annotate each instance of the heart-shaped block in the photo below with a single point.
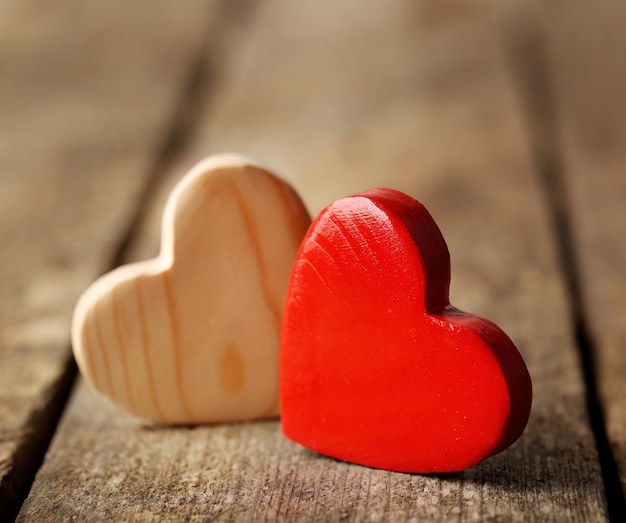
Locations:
(192, 336)
(377, 368)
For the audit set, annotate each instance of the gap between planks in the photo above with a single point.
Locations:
(28, 458)
(525, 48)
(188, 112)
(201, 79)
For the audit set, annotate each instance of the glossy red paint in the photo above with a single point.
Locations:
(377, 368)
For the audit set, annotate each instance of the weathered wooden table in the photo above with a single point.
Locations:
(506, 119)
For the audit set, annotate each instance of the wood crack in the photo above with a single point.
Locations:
(16, 485)
(527, 56)
(179, 131)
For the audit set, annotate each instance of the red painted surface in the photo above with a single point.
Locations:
(377, 368)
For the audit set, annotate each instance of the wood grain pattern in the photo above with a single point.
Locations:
(567, 59)
(586, 59)
(406, 94)
(192, 336)
(84, 109)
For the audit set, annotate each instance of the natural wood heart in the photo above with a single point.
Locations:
(193, 335)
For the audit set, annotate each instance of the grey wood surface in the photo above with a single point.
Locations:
(438, 99)
(586, 58)
(568, 62)
(84, 108)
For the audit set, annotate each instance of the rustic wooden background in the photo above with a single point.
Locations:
(506, 119)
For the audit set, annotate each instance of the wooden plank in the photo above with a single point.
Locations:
(88, 93)
(339, 98)
(585, 45)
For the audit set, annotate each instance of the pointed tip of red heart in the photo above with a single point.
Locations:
(377, 368)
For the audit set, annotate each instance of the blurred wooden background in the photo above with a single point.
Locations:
(506, 119)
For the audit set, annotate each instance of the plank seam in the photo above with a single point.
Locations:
(187, 114)
(179, 132)
(526, 54)
(29, 455)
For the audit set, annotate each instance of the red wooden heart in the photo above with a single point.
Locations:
(377, 368)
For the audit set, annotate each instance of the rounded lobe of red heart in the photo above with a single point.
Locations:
(376, 367)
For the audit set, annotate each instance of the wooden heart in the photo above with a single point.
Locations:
(193, 335)
(377, 368)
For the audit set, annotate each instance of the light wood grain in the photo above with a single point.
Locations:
(192, 336)
(88, 91)
(339, 98)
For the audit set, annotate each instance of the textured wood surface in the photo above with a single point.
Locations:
(567, 59)
(586, 53)
(84, 107)
(403, 94)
